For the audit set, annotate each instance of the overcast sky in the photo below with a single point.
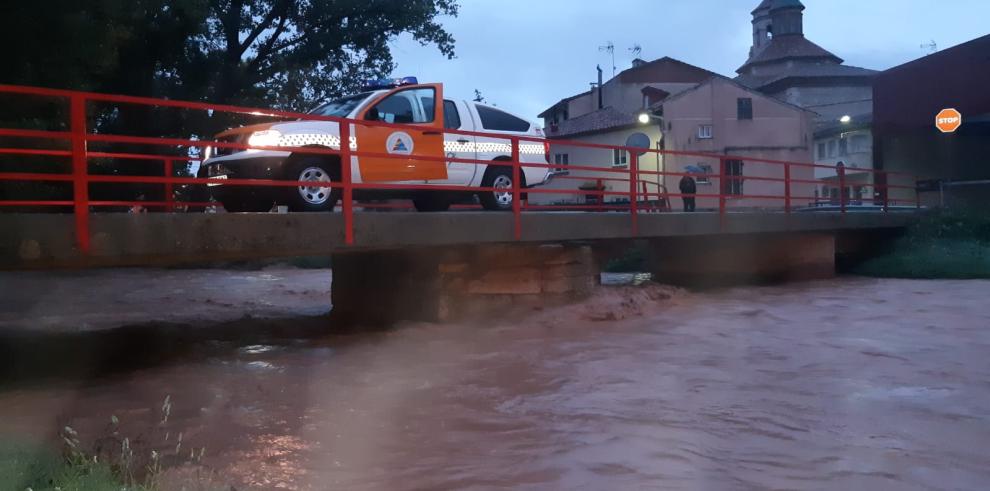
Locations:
(524, 55)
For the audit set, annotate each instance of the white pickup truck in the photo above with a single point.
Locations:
(404, 102)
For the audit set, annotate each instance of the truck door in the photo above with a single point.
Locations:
(457, 146)
(419, 106)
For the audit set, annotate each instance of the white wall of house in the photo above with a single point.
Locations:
(855, 150)
(707, 120)
(600, 158)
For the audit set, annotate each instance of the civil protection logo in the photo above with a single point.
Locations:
(399, 143)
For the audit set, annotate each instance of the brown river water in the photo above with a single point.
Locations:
(844, 384)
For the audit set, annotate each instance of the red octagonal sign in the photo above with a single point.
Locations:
(948, 120)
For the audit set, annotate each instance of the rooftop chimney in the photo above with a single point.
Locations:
(601, 101)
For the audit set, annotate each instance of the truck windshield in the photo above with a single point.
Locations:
(341, 107)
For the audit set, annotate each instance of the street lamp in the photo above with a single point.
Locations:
(644, 118)
(845, 119)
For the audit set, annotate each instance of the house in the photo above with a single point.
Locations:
(687, 109)
(907, 99)
(609, 114)
(723, 117)
(784, 64)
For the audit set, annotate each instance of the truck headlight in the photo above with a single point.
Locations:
(265, 138)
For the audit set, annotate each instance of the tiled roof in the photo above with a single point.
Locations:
(598, 121)
(789, 47)
(562, 101)
(806, 71)
(670, 70)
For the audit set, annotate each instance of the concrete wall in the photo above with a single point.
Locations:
(777, 132)
(441, 284)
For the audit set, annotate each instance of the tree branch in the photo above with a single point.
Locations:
(279, 10)
(232, 28)
(267, 49)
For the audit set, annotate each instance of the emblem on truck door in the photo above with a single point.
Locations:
(399, 143)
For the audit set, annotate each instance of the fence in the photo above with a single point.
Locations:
(634, 189)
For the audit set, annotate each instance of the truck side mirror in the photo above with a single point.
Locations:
(373, 115)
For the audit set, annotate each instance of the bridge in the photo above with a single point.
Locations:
(425, 265)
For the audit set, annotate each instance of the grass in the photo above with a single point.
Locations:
(23, 467)
(943, 245)
(112, 464)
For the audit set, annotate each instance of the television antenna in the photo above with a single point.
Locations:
(932, 47)
(636, 50)
(610, 49)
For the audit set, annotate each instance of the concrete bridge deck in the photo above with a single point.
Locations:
(47, 240)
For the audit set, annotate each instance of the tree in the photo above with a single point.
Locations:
(282, 53)
(287, 54)
(292, 52)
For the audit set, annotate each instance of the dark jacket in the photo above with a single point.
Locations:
(688, 186)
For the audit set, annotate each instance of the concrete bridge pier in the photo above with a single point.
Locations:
(743, 258)
(458, 282)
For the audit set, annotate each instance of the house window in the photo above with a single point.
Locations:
(843, 147)
(704, 177)
(620, 158)
(744, 108)
(705, 131)
(821, 151)
(832, 146)
(733, 183)
(562, 159)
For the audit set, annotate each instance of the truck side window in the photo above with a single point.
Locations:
(493, 119)
(407, 107)
(451, 118)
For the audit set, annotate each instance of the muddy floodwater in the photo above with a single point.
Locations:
(844, 384)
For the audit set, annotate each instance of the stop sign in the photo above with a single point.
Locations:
(948, 120)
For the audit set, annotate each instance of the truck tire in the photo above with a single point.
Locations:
(312, 198)
(431, 202)
(497, 176)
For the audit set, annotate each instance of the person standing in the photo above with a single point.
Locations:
(688, 189)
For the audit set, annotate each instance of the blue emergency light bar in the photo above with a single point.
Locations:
(387, 83)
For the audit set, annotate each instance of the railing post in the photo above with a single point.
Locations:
(347, 200)
(169, 192)
(841, 170)
(787, 187)
(633, 192)
(516, 193)
(80, 171)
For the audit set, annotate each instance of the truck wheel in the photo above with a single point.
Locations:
(501, 178)
(431, 202)
(313, 198)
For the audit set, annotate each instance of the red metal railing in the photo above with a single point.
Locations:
(627, 187)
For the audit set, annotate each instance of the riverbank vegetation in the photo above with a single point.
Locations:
(113, 462)
(943, 245)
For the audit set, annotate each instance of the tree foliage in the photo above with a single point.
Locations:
(281, 53)
(286, 54)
